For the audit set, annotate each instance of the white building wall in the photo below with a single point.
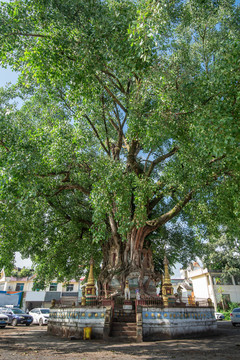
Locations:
(203, 286)
(28, 286)
(200, 287)
(232, 290)
(61, 287)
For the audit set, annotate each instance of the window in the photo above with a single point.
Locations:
(236, 310)
(19, 287)
(44, 311)
(17, 311)
(69, 287)
(3, 311)
(53, 287)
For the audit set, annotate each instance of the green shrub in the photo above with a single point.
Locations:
(227, 313)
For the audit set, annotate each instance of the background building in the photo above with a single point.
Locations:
(210, 284)
(64, 293)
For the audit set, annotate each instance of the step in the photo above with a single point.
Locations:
(125, 319)
(123, 332)
(124, 329)
(120, 334)
(125, 313)
(123, 339)
(119, 324)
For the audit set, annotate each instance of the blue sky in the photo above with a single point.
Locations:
(7, 75)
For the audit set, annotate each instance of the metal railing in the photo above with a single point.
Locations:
(146, 300)
(190, 301)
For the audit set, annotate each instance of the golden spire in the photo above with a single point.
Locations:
(167, 289)
(91, 281)
(166, 270)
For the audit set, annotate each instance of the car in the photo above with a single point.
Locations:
(235, 316)
(219, 316)
(17, 316)
(3, 320)
(40, 316)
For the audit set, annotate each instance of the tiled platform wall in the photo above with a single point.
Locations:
(153, 323)
(71, 322)
(175, 322)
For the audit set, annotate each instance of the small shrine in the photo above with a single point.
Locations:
(167, 288)
(90, 289)
(126, 313)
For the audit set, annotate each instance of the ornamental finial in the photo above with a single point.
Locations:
(91, 276)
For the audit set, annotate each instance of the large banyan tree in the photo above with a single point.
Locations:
(126, 134)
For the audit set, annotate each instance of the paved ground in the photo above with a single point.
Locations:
(33, 343)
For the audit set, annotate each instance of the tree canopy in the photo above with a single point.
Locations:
(127, 134)
(222, 254)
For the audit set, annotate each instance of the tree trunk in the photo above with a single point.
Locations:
(128, 260)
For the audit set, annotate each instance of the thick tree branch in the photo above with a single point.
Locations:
(161, 220)
(111, 94)
(105, 124)
(113, 122)
(128, 86)
(65, 102)
(160, 159)
(154, 202)
(154, 224)
(126, 145)
(113, 226)
(124, 121)
(85, 166)
(131, 158)
(146, 161)
(116, 112)
(158, 196)
(217, 159)
(97, 135)
(84, 221)
(118, 85)
(67, 216)
(72, 187)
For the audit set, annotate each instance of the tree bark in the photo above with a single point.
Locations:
(130, 259)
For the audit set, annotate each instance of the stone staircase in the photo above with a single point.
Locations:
(124, 325)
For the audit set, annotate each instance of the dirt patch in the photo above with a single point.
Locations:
(35, 343)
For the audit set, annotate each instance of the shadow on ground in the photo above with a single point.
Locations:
(224, 344)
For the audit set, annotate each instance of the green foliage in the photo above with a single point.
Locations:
(227, 312)
(223, 253)
(129, 119)
(172, 237)
(20, 273)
